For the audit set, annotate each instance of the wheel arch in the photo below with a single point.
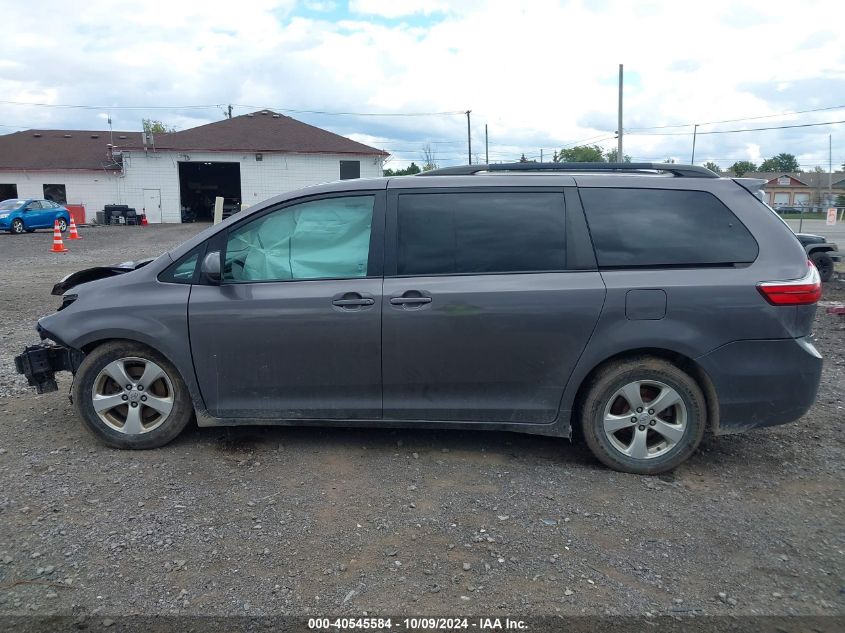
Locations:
(681, 361)
(183, 366)
(820, 248)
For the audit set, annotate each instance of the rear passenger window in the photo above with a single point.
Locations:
(465, 233)
(655, 227)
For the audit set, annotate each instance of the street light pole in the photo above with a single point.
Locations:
(486, 147)
(469, 140)
(619, 154)
(694, 133)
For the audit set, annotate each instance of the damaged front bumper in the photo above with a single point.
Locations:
(39, 363)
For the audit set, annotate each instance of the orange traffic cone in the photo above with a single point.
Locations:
(58, 245)
(144, 219)
(74, 234)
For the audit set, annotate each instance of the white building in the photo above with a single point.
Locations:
(176, 176)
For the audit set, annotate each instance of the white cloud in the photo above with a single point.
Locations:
(540, 74)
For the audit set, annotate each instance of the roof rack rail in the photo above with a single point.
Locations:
(685, 171)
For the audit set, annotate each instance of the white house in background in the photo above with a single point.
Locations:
(176, 176)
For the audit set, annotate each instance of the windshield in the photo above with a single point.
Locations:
(9, 205)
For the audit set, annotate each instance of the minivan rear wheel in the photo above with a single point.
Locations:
(643, 415)
(130, 396)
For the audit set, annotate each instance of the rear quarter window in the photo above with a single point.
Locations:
(664, 228)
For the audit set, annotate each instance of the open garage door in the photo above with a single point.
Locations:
(201, 182)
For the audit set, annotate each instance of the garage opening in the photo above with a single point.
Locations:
(8, 191)
(201, 182)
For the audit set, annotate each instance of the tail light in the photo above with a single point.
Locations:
(796, 292)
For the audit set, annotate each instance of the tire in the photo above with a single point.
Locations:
(62, 225)
(824, 264)
(147, 427)
(17, 227)
(639, 445)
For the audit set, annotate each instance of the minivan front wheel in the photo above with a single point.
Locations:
(129, 396)
(643, 415)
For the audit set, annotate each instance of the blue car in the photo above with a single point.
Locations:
(18, 216)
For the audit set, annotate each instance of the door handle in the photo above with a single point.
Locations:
(398, 301)
(353, 302)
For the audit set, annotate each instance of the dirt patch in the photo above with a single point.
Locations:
(250, 521)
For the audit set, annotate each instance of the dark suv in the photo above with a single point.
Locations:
(637, 305)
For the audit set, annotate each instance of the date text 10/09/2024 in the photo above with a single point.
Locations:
(434, 624)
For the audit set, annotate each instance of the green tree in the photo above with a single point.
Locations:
(522, 159)
(410, 170)
(156, 127)
(712, 166)
(613, 153)
(580, 154)
(742, 167)
(782, 162)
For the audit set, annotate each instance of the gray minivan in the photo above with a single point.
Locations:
(636, 305)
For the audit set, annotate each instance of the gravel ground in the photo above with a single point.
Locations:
(253, 521)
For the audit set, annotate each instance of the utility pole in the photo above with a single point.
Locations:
(694, 133)
(619, 154)
(541, 154)
(469, 140)
(830, 165)
(230, 110)
(486, 147)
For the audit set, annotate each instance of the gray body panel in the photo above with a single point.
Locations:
(282, 350)
(490, 351)
(494, 348)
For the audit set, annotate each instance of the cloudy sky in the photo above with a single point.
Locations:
(539, 73)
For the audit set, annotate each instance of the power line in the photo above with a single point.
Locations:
(754, 129)
(750, 118)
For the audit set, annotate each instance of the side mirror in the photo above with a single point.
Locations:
(211, 267)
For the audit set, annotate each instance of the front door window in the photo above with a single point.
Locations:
(321, 239)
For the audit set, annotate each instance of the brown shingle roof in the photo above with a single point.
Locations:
(263, 131)
(816, 180)
(60, 149)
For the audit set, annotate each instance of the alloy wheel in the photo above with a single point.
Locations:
(132, 395)
(645, 419)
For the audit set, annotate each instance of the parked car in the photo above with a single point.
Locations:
(822, 253)
(18, 216)
(633, 305)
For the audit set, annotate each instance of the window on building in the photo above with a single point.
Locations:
(320, 239)
(8, 192)
(654, 227)
(56, 193)
(350, 169)
(802, 199)
(466, 233)
(781, 199)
